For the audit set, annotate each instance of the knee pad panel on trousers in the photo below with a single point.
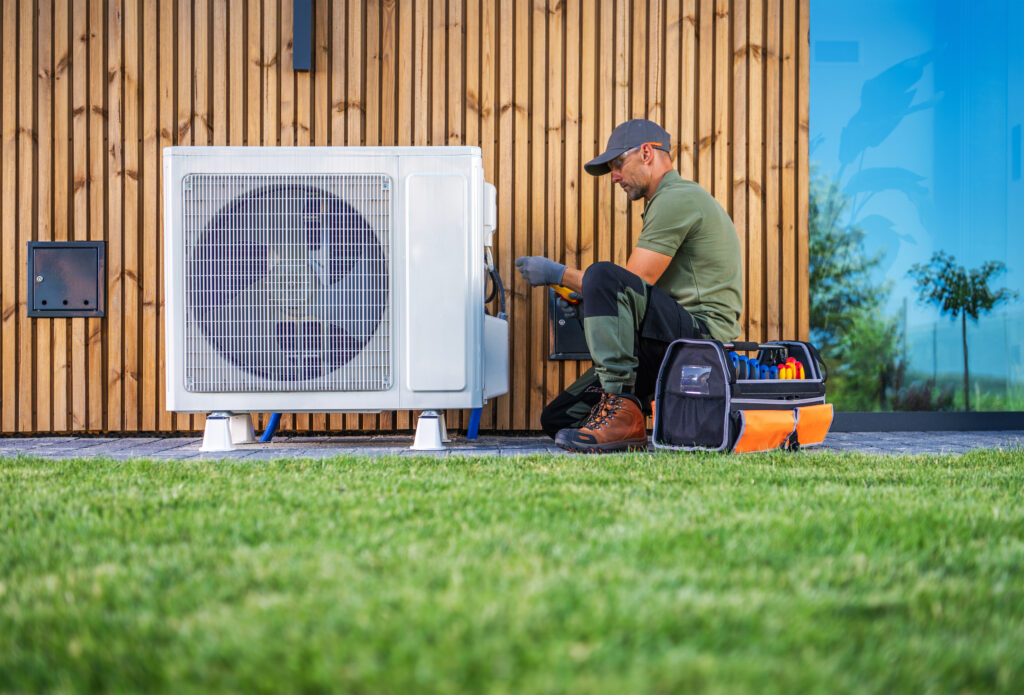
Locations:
(602, 283)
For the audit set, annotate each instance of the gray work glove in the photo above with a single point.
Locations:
(538, 270)
(570, 310)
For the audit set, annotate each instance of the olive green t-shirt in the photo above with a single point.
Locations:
(705, 275)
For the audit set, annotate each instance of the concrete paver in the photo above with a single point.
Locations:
(175, 448)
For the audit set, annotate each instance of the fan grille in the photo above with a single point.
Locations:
(287, 282)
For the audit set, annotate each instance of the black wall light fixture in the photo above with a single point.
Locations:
(302, 35)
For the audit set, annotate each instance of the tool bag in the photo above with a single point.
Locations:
(709, 397)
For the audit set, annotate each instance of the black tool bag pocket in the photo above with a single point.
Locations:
(692, 397)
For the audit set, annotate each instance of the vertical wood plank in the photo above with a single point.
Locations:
(287, 100)
(44, 198)
(115, 218)
(688, 146)
(339, 98)
(803, 172)
(740, 182)
(438, 71)
(723, 73)
(706, 98)
(219, 76)
(655, 105)
(9, 253)
(521, 162)
(754, 282)
(269, 68)
(454, 76)
(321, 75)
(202, 127)
(555, 172)
(26, 206)
(620, 203)
(253, 76)
(636, 52)
(537, 201)
(772, 188)
(573, 165)
(149, 239)
(420, 111)
(237, 46)
(80, 210)
(478, 63)
(606, 111)
(507, 115)
(132, 168)
(591, 141)
(63, 172)
(165, 129)
(389, 75)
(673, 76)
(789, 115)
(97, 77)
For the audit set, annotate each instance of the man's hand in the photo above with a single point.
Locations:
(571, 310)
(538, 270)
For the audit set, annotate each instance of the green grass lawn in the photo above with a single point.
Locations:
(618, 574)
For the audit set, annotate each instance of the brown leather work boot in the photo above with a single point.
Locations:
(616, 423)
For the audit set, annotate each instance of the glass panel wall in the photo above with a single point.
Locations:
(917, 202)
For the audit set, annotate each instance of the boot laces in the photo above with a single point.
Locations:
(602, 413)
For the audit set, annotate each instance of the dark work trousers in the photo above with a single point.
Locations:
(628, 324)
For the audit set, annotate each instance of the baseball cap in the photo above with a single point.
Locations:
(625, 137)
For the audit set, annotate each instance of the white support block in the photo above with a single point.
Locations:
(241, 429)
(217, 434)
(428, 432)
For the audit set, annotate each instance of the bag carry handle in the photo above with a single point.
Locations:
(822, 367)
(743, 347)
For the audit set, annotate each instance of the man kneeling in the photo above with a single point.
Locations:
(684, 279)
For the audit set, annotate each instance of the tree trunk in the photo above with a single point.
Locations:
(963, 335)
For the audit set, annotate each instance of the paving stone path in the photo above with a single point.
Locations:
(184, 448)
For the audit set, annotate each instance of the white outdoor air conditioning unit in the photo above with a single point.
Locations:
(327, 279)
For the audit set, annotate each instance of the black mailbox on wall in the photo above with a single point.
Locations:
(66, 278)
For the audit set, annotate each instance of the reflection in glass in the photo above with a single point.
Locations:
(916, 156)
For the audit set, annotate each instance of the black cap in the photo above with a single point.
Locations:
(630, 134)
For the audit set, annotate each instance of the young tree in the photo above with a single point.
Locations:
(960, 292)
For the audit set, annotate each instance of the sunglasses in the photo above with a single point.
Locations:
(621, 159)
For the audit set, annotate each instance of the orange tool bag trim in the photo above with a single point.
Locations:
(763, 430)
(812, 424)
(708, 398)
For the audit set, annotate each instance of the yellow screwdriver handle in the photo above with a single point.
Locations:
(565, 293)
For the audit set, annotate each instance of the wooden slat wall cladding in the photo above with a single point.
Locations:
(93, 89)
